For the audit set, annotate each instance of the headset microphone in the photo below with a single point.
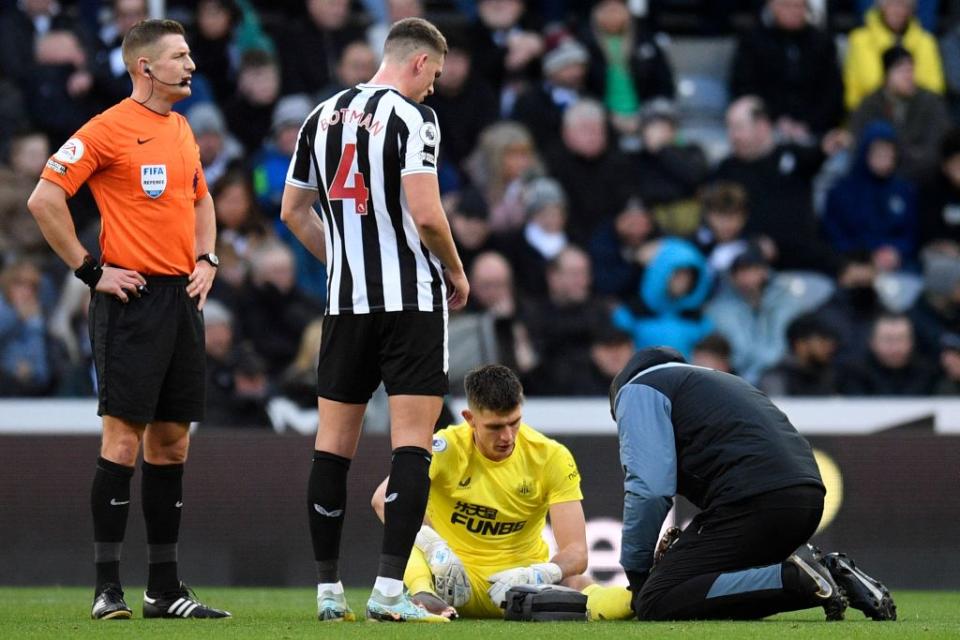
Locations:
(169, 84)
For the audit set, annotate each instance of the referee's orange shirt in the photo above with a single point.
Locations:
(144, 171)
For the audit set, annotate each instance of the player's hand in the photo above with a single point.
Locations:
(121, 283)
(458, 289)
(544, 573)
(450, 579)
(200, 282)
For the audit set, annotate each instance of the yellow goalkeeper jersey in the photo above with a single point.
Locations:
(492, 513)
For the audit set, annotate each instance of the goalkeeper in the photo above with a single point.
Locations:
(493, 482)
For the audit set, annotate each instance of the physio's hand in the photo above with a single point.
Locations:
(121, 283)
(544, 573)
(450, 579)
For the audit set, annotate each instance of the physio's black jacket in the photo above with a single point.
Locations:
(706, 435)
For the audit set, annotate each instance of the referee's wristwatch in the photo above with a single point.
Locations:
(211, 258)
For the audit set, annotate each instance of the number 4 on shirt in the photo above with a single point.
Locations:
(339, 190)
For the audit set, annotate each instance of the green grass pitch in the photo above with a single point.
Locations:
(60, 612)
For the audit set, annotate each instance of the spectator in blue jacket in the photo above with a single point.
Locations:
(674, 287)
(871, 208)
(24, 364)
(755, 307)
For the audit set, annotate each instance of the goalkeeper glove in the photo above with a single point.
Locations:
(544, 573)
(450, 579)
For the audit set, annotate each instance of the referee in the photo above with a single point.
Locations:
(369, 153)
(157, 235)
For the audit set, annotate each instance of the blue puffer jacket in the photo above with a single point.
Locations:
(664, 320)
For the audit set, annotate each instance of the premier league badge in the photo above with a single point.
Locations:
(153, 179)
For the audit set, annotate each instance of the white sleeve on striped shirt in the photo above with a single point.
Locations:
(300, 172)
(423, 143)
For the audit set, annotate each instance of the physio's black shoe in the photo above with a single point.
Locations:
(182, 603)
(863, 592)
(108, 604)
(829, 595)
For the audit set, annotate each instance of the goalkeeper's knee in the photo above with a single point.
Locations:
(417, 575)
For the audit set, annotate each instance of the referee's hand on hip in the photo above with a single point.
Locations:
(120, 283)
(200, 282)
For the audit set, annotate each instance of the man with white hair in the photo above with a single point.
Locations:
(593, 171)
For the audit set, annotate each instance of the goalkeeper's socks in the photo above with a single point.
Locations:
(404, 506)
(333, 588)
(388, 587)
(326, 502)
(110, 503)
(162, 495)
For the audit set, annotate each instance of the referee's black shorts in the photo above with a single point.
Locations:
(407, 350)
(149, 353)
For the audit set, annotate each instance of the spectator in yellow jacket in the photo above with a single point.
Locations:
(889, 22)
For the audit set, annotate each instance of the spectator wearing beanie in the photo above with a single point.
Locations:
(541, 239)
(218, 149)
(540, 108)
(938, 309)
(918, 116)
(755, 308)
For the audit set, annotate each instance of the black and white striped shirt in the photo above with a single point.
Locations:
(354, 148)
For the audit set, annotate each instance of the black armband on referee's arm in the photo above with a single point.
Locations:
(89, 272)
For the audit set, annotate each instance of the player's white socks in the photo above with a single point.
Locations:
(335, 588)
(388, 587)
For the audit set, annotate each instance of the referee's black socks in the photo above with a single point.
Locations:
(162, 489)
(326, 503)
(403, 509)
(110, 503)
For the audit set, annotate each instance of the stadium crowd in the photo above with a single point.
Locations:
(807, 238)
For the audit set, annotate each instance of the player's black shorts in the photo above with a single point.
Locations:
(149, 353)
(407, 350)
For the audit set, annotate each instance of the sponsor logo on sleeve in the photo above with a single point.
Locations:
(439, 444)
(429, 134)
(56, 167)
(71, 151)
